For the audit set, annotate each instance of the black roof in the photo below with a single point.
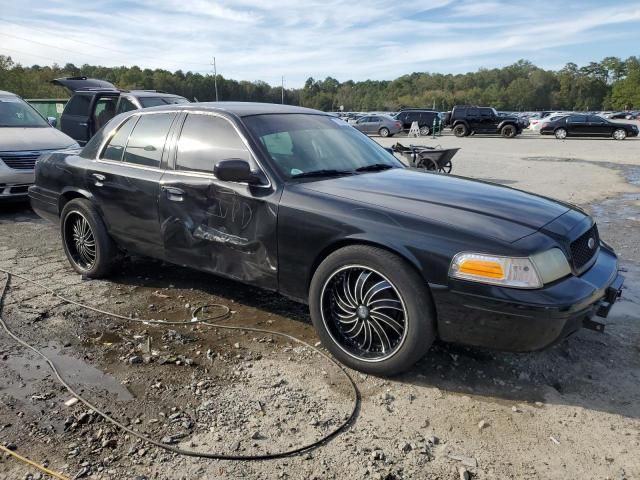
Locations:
(241, 109)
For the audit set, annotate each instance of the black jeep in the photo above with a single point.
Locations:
(94, 102)
(467, 120)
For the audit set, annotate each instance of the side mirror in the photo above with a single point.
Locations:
(53, 121)
(235, 170)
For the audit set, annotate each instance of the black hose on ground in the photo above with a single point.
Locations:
(225, 312)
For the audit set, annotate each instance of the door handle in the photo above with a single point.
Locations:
(83, 124)
(99, 178)
(174, 194)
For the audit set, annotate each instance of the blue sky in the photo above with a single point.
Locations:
(346, 39)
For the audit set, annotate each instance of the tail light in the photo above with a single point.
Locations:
(398, 124)
(544, 125)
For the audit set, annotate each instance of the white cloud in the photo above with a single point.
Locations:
(256, 39)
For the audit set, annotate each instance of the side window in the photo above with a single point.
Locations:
(125, 105)
(577, 119)
(595, 119)
(375, 119)
(115, 147)
(486, 112)
(473, 112)
(147, 140)
(205, 140)
(78, 105)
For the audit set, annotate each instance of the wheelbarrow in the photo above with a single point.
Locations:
(433, 159)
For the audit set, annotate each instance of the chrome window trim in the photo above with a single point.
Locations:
(113, 131)
(243, 138)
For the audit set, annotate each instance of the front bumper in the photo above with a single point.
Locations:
(14, 183)
(526, 320)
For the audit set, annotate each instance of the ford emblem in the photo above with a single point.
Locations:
(591, 243)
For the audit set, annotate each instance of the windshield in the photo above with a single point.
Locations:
(15, 112)
(147, 102)
(301, 143)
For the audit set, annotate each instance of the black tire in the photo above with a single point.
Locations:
(384, 132)
(460, 130)
(424, 131)
(417, 312)
(105, 252)
(508, 131)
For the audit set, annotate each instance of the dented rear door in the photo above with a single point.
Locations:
(223, 227)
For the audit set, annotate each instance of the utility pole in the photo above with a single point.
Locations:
(282, 84)
(215, 77)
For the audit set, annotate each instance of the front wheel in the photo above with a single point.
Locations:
(560, 133)
(460, 130)
(371, 310)
(384, 132)
(620, 134)
(424, 131)
(87, 244)
(508, 131)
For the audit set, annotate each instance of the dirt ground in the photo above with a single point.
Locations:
(572, 411)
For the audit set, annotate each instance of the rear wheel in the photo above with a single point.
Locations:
(508, 131)
(384, 132)
(620, 134)
(560, 133)
(424, 130)
(89, 248)
(371, 310)
(460, 130)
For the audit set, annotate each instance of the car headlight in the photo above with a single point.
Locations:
(517, 272)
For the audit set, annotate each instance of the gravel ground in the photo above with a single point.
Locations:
(568, 412)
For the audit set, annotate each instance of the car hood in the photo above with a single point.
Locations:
(33, 139)
(484, 208)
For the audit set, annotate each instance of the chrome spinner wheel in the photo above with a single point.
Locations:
(620, 134)
(80, 241)
(364, 313)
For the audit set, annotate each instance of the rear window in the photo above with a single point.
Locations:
(78, 105)
(115, 147)
(147, 102)
(147, 140)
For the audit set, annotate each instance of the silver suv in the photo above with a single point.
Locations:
(24, 136)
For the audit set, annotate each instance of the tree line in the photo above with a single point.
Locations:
(612, 83)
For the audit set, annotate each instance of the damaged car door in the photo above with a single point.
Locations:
(125, 180)
(228, 228)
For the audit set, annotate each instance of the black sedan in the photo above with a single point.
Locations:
(296, 201)
(581, 125)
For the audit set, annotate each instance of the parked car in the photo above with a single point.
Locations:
(24, 136)
(296, 201)
(537, 124)
(424, 117)
(94, 102)
(536, 121)
(382, 125)
(588, 126)
(466, 120)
